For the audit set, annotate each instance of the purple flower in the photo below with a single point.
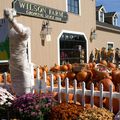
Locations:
(33, 105)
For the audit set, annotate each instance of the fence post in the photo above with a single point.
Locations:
(101, 95)
(75, 90)
(43, 83)
(32, 76)
(37, 81)
(59, 89)
(92, 95)
(51, 82)
(83, 94)
(67, 89)
(110, 98)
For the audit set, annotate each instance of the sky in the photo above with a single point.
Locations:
(111, 6)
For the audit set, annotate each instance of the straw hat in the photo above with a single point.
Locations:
(117, 49)
(112, 49)
(103, 48)
(96, 49)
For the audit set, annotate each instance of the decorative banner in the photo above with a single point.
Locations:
(35, 10)
(4, 40)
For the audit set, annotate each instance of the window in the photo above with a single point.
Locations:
(72, 48)
(101, 15)
(115, 20)
(73, 6)
(110, 45)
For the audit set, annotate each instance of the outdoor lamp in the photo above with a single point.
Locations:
(45, 32)
(93, 34)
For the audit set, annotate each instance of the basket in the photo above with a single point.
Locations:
(100, 69)
(78, 67)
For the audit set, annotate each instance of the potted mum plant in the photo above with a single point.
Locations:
(33, 106)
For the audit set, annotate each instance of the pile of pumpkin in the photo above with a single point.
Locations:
(89, 73)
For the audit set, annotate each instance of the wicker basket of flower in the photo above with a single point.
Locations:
(102, 71)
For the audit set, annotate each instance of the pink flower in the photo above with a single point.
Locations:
(37, 107)
(33, 114)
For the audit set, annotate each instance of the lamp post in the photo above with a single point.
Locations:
(93, 34)
(45, 32)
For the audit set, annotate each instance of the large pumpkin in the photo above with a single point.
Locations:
(71, 75)
(69, 66)
(106, 84)
(81, 76)
(116, 76)
(115, 104)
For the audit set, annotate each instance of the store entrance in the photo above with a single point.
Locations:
(73, 48)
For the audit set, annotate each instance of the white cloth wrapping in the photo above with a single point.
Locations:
(20, 68)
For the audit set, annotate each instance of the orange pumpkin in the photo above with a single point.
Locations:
(90, 65)
(63, 76)
(63, 96)
(48, 80)
(9, 78)
(41, 70)
(55, 68)
(106, 84)
(63, 67)
(116, 76)
(69, 66)
(81, 76)
(45, 68)
(1, 78)
(35, 73)
(115, 104)
(70, 75)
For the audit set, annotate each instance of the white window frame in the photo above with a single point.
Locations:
(110, 43)
(79, 7)
(101, 11)
(114, 20)
(74, 32)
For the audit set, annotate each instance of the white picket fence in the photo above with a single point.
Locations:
(41, 86)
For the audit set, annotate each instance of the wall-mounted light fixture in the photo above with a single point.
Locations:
(45, 32)
(93, 34)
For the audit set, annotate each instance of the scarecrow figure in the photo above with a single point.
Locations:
(20, 71)
(110, 55)
(103, 53)
(117, 56)
(97, 55)
(91, 57)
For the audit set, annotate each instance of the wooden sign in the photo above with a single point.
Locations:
(39, 11)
